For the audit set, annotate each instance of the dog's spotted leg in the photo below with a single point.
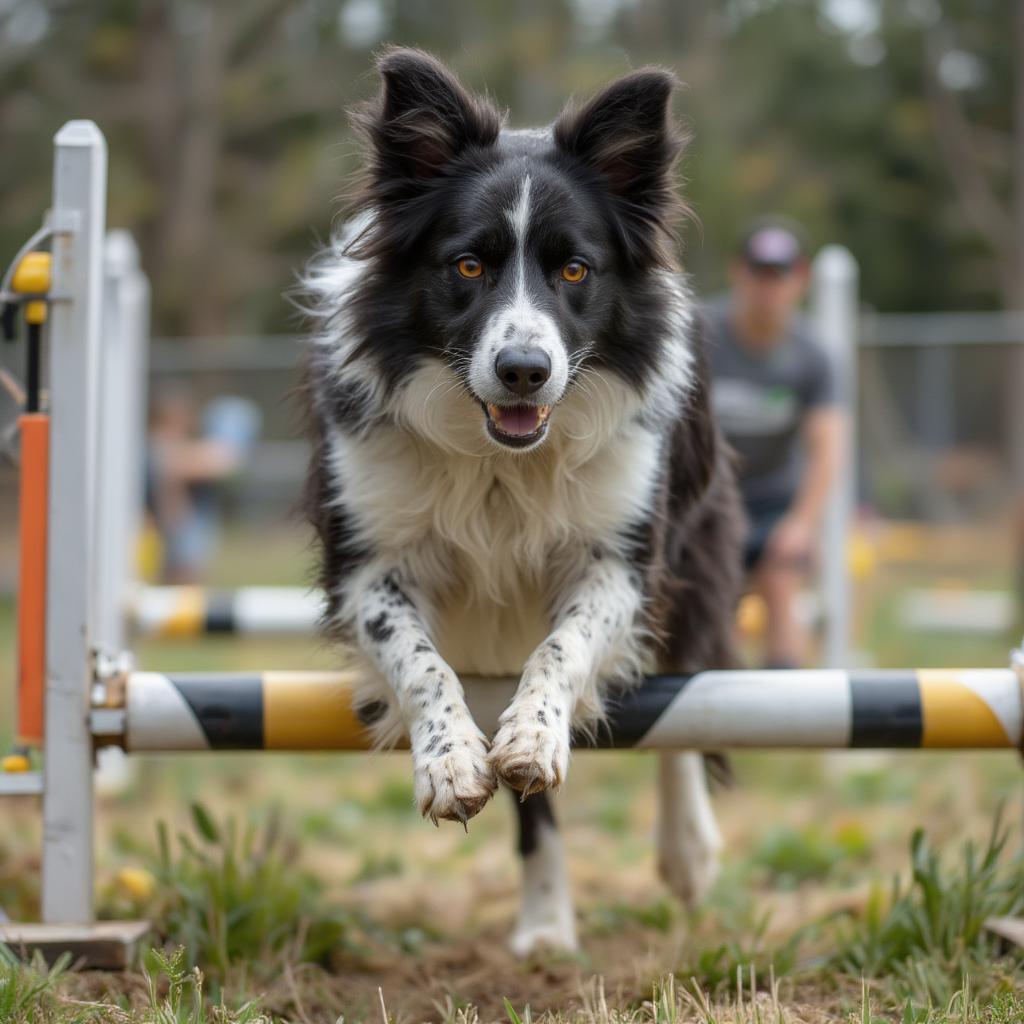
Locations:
(453, 778)
(546, 918)
(594, 624)
(688, 838)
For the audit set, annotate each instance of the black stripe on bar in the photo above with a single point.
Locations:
(229, 707)
(886, 709)
(220, 612)
(631, 713)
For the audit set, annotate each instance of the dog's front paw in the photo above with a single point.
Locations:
(453, 779)
(689, 866)
(530, 751)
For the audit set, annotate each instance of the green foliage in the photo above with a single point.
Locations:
(184, 1002)
(513, 1016)
(232, 895)
(929, 935)
(790, 856)
(875, 786)
(377, 865)
(19, 883)
(26, 990)
(30, 994)
(607, 919)
(396, 797)
(723, 967)
(1005, 1008)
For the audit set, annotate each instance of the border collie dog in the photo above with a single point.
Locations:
(515, 472)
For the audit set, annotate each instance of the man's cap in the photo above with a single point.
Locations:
(773, 244)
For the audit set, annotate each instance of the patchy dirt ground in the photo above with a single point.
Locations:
(806, 836)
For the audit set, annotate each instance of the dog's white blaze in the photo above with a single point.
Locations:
(531, 325)
(545, 911)
(519, 218)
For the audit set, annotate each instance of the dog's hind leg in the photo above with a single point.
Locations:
(546, 917)
(688, 838)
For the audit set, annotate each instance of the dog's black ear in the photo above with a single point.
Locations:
(422, 119)
(626, 133)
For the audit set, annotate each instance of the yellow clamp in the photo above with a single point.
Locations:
(15, 763)
(32, 277)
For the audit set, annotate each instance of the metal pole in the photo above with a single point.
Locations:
(834, 304)
(137, 303)
(122, 412)
(79, 211)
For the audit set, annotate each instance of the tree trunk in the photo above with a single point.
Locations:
(193, 245)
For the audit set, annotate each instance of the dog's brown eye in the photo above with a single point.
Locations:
(470, 266)
(574, 271)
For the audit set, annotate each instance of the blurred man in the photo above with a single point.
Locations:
(190, 459)
(775, 396)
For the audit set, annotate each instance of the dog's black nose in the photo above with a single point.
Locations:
(523, 370)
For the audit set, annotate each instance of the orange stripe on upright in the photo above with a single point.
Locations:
(32, 516)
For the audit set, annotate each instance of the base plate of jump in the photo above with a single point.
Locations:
(107, 945)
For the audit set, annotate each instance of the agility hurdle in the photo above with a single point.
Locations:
(189, 611)
(95, 697)
(936, 709)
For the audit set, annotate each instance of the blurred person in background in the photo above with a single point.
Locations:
(774, 394)
(190, 459)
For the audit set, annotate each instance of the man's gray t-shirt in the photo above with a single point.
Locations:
(761, 399)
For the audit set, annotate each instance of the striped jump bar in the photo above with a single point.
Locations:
(714, 710)
(188, 611)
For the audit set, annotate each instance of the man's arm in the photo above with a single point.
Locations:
(824, 430)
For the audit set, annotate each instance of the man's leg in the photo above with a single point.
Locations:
(779, 583)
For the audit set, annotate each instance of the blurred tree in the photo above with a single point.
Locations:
(888, 125)
(975, 92)
(828, 116)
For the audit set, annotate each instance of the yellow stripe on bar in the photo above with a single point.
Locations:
(955, 715)
(187, 615)
(311, 711)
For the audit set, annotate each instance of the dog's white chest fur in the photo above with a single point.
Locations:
(495, 537)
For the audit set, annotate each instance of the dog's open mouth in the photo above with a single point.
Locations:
(517, 426)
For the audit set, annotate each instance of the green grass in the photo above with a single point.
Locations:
(26, 989)
(928, 936)
(920, 943)
(230, 899)
(790, 856)
(231, 895)
(174, 994)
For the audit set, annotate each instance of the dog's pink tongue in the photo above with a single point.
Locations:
(520, 420)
